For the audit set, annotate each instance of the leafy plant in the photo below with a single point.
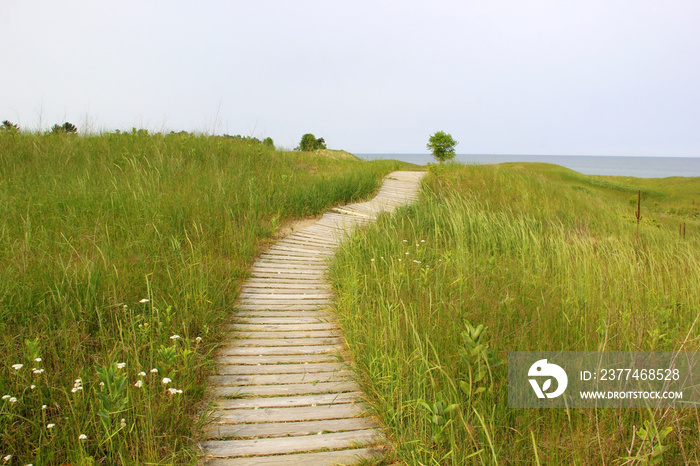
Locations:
(479, 359)
(65, 128)
(439, 414)
(442, 145)
(9, 126)
(309, 143)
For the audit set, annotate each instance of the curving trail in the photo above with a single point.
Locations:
(283, 394)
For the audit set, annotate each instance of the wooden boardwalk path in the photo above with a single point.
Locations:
(283, 394)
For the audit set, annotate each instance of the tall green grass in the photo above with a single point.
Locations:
(515, 258)
(120, 255)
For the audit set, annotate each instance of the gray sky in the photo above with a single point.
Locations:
(588, 77)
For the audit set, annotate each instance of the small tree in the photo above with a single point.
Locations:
(310, 143)
(442, 146)
(9, 127)
(65, 128)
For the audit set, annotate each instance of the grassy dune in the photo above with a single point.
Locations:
(120, 255)
(545, 259)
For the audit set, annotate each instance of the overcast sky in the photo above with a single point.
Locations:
(588, 77)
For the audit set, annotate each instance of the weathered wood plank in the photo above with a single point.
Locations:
(279, 296)
(300, 285)
(283, 429)
(284, 328)
(262, 342)
(291, 414)
(278, 379)
(323, 314)
(278, 359)
(290, 307)
(289, 401)
(240, 369)
(284, 390)
(283, 320)
(279, 350)
(282, 334)
(328, 458)
(296, 444)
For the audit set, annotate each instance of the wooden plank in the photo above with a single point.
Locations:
(278, 359)
(296, 444)
(278, 379)
(291, 414)
(282, 263)
(299, 285)
(283, 320)
(300, 258)
(283, 429)
(322, 314)
(289, 401)
(309, 251)
(281, 307)
(261, 304)
(337, 457)
(283, 328)
(262, 342)
(288, 275)
(284, 390)
(298, 240)
(279, 368)
(281, 294)
(279, 350)
(281, 334)
(296, 268)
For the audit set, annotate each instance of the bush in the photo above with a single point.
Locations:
(65, 128)
(9, 126)
(309, 143)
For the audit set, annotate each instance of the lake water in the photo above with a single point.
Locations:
(640, 167)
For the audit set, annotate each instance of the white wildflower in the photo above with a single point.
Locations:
(12, 400)
(144, 300)
(50, 426)
(37, 359)
(154, 371)
(77, 385)
(82, 437)
(123, 422)
(44, 407)
(5, 397)
(174, 337)
(37, 371)
(139, 383)
(198, 339)
(32, 387)
(174, 391)
(6, 459)
(17, 366)
(166, 380)
(121, 365)
(142, 374)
